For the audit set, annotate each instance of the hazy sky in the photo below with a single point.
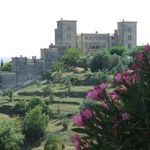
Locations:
(28, 25)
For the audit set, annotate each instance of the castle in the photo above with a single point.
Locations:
(25, 71)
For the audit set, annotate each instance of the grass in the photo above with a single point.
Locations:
(63, 108)
(3, 116)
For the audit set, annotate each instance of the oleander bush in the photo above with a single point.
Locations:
(117, 118)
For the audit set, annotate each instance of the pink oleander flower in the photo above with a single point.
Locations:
(113, 96)
(126, 76)
(125, 116)
(139, 58)
(130, 77)
(136, 67)
(104, 85)
(134, 78)
(86, 114)
(77, 120)
(147, 48)
(79, 143)
(80, 119)
(118, 77)
(96, 93)
(105, 106)
(76, 141)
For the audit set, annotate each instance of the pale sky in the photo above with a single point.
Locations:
(28, 25)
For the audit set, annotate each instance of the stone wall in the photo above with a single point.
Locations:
(7, 80)
(24, 71)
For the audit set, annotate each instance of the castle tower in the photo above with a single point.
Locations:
(127, 34)
(65, 33)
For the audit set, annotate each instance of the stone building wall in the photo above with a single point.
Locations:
(127, 34)
(65, 33)
(89, 42)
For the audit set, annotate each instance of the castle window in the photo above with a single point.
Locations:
(86, 37)
(86, 45)
(95, 38)
(99, 37)
(69, 28)
(129, 37)
(129, 45)
(129, 29)
(69, 36)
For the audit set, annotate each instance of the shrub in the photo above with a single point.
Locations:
(11, 137)
(100, 61)
(38, 102)
(48, 91)
(34, 102)
(9, 93)
(58, 66)
(54, 142)
(71, 56)
(118, 50)
(119, 119)
(35, 123)
(65, 123)
(83, 63)
(21, 107)
(98, 77)
(6, 66)
(49, 76)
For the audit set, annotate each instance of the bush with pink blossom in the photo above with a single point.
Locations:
(120, 119)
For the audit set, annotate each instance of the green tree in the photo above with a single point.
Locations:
(83, 62)
(49, 76)
(100, 61)
(48, 91)
(35, 101)
(2, 63)
(6, 66)
(71, 56)
(21, 107)
(118, 50)
(35, 123)
(58, 66)
(11, 137)
(38, 102)
(54, 142)
(68, 83)
(8, 93)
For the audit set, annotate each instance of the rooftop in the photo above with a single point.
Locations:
(61, 20)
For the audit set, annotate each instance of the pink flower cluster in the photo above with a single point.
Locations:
(113, 96)
(147, 48)
(129, 77)
(125, 116)
(97, 92)
(139, 58)
(78, 143)
(80, 119)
